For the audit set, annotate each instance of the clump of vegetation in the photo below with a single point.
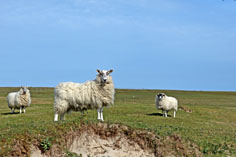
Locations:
(45, 144)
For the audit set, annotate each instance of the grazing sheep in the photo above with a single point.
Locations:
(19, 100)
(96, 94)
(166, 103)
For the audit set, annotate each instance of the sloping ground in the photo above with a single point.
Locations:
(119, 141)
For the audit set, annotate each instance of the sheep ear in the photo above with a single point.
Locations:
(98, 71)
(110, 71)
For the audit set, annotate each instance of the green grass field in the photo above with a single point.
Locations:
(211, 125)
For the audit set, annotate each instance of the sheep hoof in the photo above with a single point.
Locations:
(100, 120)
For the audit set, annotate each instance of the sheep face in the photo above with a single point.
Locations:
(104, 75)
(160, 96)
(23, 90)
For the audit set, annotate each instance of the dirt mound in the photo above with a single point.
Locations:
(90, 144)
(117, 140)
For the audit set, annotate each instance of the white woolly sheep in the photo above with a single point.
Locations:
(19, 100)
(166, 103)
(94, 94)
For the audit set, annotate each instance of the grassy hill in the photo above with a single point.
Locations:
(210, 121)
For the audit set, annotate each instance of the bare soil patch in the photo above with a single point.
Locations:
(104, 140)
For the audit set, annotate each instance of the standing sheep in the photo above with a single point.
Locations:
(96, 94)
(19, 100)
(166, 103)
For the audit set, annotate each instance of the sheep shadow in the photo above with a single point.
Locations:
(157, 114)
(9, 113)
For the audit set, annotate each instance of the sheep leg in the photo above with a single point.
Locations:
(20, 110)
(56, 117)
(58, 105)
(62, 117)
(24, 110)
(12, 110)
(174, 113)
(100, 114)
(165, 113)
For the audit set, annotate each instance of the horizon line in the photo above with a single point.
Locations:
(193, 90)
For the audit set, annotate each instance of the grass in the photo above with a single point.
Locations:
(211, 125)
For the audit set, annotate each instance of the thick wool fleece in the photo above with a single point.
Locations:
(79, 97)
(18, 99)
(167, 103)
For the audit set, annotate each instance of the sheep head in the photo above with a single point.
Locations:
(104, 75)
(160, 96)
(23, 90)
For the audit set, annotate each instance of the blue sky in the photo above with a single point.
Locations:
(150, 44)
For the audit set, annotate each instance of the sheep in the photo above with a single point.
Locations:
(166, 103)
(19, 100)
(94, 94)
